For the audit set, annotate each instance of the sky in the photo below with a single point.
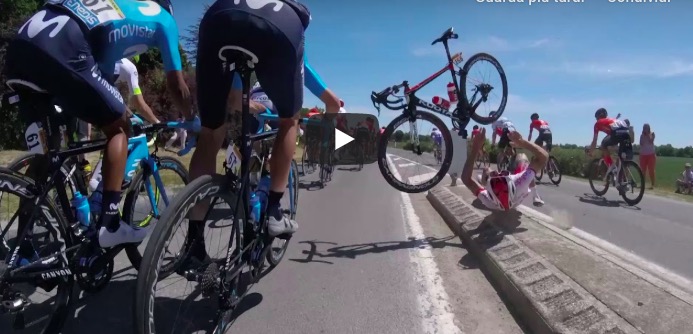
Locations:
(562, 60)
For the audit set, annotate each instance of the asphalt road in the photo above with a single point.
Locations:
(366, 259)
(658, 229)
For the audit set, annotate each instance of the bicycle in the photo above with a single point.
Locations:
(619, 174)
(552, 170)
(70, 249)
(482, 161)
(249, 241)
(506, 158)
(465, 110)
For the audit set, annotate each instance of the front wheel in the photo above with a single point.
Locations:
(137, 208)
(477, 91)
(554, 172)
(413, 176)
(597, 175)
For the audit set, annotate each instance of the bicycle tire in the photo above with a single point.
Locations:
(165, 163)
(556, 171)
(383, 159)
(21, 187)
(463, 87)
(274, 258)
(25, 160)
(198, 190)
(592, 171)
(637, 200)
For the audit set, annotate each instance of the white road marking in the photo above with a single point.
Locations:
(407, 164)
(432, 297)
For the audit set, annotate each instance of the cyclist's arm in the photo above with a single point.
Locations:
(593, 145)
(531, 129)
(539, 155)
(472, 184)
(315, 85)
(168, 45)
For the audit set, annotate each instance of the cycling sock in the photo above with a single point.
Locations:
(608, 160)
(110, 215)
(273, 204)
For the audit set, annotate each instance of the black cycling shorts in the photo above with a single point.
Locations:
(504, 140)
(64, 66)
(276, 38)
(545, 137)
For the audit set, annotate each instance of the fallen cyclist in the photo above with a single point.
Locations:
(503, 191)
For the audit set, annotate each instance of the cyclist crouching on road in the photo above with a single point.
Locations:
(503, 191)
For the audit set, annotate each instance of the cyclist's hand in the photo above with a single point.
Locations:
(189, 145)
(193, 125)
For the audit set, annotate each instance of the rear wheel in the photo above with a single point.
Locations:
(475, 91)
(632, 180)
(414, 177)
(554, 172)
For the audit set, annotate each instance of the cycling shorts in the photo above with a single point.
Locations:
(620, 137)
(63, 65)
(545, 137)
(504, 140)
(275, 37)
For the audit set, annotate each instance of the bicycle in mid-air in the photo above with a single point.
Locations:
(54, 244)
(624, 174)
(227, 197)
(465, 110)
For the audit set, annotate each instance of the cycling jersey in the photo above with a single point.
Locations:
(126, 72)
(522, 182)
(125, 28)
(501, 124)
(437, 137)
(540, 125)
(609, 125)
(475, 132)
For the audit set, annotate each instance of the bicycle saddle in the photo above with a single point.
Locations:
(448, 34)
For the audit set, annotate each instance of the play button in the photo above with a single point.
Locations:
(341, 139)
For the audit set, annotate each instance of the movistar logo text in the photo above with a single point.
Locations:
(130, 30)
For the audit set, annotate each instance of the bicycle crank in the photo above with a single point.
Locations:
(93, 267)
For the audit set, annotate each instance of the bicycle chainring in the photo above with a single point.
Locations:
(93, 268)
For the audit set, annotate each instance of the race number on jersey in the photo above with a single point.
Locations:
(92, 12)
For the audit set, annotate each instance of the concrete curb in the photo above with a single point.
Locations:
(546, 299)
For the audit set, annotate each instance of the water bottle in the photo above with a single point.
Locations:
(255, 207)
(82, 211)
(452, 95)
(96, 199)
(262, 192)
(441, 102)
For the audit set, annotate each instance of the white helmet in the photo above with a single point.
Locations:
(501, 189)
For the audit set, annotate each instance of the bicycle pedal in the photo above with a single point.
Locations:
(285, 236)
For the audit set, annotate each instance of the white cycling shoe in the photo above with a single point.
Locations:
(125, 234)
(281, 226)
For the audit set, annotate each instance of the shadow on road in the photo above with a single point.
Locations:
(309, 186)
(352, 251)
(351, 169)
(601, 201)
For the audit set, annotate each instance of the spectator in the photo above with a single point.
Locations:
(684, 185)
(647, 153)
(180, 133)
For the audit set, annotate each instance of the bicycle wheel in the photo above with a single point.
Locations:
(279, 246)
(406, 151)
(151, 317)
(634, 180)
(76, 180)
(553, 171)
(49, 235)
(472, 93)
(173, 175)
(597, 173)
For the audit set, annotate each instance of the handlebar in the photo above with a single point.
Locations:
(382, 98)
(141, 128)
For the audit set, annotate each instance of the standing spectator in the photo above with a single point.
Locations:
(685, 183)
(647, 153)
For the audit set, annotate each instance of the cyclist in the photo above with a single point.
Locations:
(70, 50)
(475, 131)
(502, 190)
(545, 136)
(280, 70)
(617, 133)
(502, 127)
(437, 139)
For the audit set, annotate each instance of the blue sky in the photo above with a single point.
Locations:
(562, 60)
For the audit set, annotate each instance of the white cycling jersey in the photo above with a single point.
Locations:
(503, 123)
(127, 72)
(522, 181)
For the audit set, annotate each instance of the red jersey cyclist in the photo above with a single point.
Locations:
(617, 132)
(542, 126)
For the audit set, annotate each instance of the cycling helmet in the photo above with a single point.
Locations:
(534, 117)
(501, 189)
(341, 103)
(600, 113)
(435, 129)
(475, 127)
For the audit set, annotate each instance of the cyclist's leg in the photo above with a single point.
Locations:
(607, 142)
(281, 75)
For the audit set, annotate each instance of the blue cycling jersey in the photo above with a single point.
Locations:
(124, 28)
(311, 80)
